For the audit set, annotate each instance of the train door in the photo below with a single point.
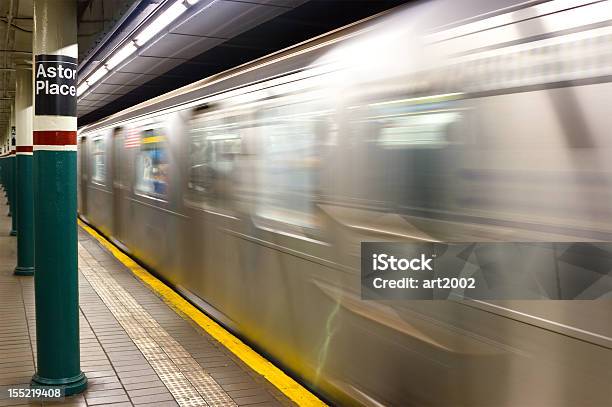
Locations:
(117, 184)
(82, 167)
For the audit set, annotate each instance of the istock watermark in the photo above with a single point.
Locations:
(382, 262)
(486, 271)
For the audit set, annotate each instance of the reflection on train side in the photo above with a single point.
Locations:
(252, 197)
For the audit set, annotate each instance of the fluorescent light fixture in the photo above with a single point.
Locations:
(97, 75)
(154, 27)
(121, 55)
(82, 88)
(161, 22)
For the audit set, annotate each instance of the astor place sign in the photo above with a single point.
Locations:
(55, 85)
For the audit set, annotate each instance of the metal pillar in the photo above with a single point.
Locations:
(7, 168)
(25, 198)
(13, 174)
(4, 187)
(3, 169)
(7, 150)
(55, 199)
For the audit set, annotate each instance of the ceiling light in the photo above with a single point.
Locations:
(82, 88)
(161, 22)
(95, 77)
(121, 55)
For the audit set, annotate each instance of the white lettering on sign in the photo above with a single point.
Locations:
(60, 72)
(55, 86)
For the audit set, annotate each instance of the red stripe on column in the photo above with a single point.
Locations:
(24, 149)
(55, 138)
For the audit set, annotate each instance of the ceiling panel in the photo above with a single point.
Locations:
(100, 103)
(226, 19)
(86, 102)
(151, 65)
(181, 46)
(96, 96)
(129, 78)
(115, 89)
(282, 3)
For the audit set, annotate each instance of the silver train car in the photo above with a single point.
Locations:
(474, 121)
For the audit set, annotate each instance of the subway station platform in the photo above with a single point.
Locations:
(135, 348)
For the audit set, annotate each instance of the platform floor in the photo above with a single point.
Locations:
(135, 350)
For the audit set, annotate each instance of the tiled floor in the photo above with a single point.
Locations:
(135, 350)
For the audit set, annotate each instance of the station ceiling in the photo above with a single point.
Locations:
(96, 17)
(216, 35)
(210, 37)
(15, 48)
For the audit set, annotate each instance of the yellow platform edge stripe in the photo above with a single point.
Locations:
(285, 384)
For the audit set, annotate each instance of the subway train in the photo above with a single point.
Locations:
(250, 192)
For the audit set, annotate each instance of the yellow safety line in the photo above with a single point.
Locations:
(289, 387)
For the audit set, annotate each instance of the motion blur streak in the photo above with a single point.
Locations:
(324, 352)
(473, 121)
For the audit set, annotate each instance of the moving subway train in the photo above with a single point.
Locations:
(251, 190)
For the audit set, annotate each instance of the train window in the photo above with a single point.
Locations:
(294, 134)
(428, 130)
(98, 157)
(411, 149)
(215, 144)
(152, 164)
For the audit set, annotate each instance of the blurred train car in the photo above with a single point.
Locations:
(250, 192)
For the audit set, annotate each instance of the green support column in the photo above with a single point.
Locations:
(7, 167)
(13, 193)
(5, 150)
(2, 170)
(55, 199)
(6, 182)
(9, 180)
(25, 193)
